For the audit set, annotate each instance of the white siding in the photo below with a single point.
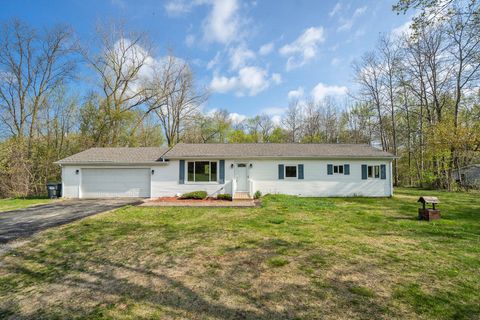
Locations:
(264, 177)
(264, 174)
(70, 182)
(316, 182)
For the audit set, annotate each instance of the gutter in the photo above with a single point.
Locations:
(111, 163)
(283, 157)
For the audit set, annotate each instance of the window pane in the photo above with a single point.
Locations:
(291, 171)
(202, 171)
(370, 171)
(377, 171)
(213, 171)
(340, 169)
(335, 169)
(190, 171)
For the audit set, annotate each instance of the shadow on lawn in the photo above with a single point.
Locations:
(108, 284)
(175, 295)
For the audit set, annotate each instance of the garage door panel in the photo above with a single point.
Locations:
(121, 182)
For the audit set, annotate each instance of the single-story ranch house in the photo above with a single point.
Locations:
(238, 169)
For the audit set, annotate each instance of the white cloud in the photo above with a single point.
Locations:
(211, 112)
(321, 91)
(239, 56)
(236, 117)
(267, 48)
(216, 60)
(275, 114)
(347, 24)
(304, 48)
(277, 119)
(336, 9)
(249, 81)
(295, 94)
(177, 7)
(359, 11)
(403, 29)
(221, 25)
(335, 61)
(189, 40)
(253, 80)
(276, 78)
(223, 84)
(273, 111)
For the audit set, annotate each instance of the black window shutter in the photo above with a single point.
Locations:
(181, 172)
(346, 169)
(383, 171)
(222, 172)
(280, 171)
(300, 171)
(329, 169)
(364, 172)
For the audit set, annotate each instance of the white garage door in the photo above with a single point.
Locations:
(114, 183)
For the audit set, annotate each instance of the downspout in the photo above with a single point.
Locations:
(391, 182)
(61, 177)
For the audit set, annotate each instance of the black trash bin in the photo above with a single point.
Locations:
(54, 190)
(59, 190)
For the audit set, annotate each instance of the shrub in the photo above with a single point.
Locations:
(224, 196)
(257, 194)
(194, 195)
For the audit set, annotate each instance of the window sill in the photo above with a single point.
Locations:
(201, 182)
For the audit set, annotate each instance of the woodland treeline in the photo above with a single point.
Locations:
(418, 97)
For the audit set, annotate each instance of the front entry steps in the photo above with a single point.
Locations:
(241, 196)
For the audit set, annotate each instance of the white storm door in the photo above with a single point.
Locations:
(241, 177)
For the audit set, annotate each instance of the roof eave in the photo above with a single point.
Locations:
(109, 163)
(280, 157)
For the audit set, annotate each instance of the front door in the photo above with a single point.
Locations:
(241, 176)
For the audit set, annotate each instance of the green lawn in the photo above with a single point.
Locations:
(292, 258)
(19, 203)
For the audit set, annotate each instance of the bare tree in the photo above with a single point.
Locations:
(311, 123)
(368, 76)
(463, 30)
(174, 97)
(122, 65)
(329, 120)
(266, 127)
(292, 121)
(390, 55)
(32, 66)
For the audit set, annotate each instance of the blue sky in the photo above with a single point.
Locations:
(253, 55)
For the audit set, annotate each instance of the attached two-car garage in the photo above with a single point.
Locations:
(114, 182)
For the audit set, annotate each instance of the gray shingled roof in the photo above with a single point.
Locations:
(226, 151)
(278, 150)
(116, 155)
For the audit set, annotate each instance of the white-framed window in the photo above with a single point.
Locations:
(290, 171)
(202, 171)
(374, 172)
(338, 169)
